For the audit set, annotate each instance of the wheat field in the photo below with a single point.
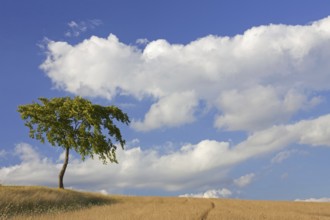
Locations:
(46, 203)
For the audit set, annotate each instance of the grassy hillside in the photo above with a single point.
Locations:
(46, 203)
(33, 200)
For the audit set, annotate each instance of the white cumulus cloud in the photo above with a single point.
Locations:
(265, 107)
(162, 114)
(244, 180)
(190, 167)
(26, 153)
(212, 193)
(255, 80)
(323, 199)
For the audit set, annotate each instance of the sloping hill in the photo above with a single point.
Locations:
(32, 200)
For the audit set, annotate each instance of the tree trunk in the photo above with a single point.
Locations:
(65, 164)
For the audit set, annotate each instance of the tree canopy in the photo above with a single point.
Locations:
(76, 123)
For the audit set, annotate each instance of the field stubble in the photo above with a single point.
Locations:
(158, 208)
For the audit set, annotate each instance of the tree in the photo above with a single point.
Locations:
(75, 123)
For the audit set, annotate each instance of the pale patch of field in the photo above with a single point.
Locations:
(258, 210)
(168, 208)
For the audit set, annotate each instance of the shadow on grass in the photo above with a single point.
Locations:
(23, 200)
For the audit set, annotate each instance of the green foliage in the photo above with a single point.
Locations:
(76, 123)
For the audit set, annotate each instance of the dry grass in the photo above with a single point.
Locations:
(255, 210)
(158, 208)
(34, 200)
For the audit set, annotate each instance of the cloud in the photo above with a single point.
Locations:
(265, 100)
(142, 41)
(26, 153)
(255, 80)
(284, 155)
(316, 134)
(324, 199)
(281, 156)
(244, 180)
(104, 192)
(171, 172)
(161, 114)
(190, 167)
(76, 28)
(33, 169)
(213, 193)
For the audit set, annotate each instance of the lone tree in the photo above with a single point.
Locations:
(75, 123)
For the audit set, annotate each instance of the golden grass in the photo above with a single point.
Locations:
(158, 208)
(34, 200)
(257, 210)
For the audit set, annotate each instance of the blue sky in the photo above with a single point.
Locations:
(226, 98)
